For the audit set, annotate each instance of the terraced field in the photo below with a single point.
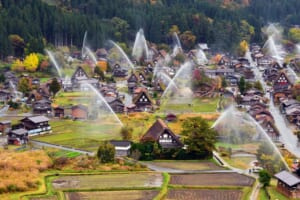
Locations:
(190, 194)
(211, 179)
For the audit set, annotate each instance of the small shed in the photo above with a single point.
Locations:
(17, 136)
(80, 112)
(122, 147)
(59, 112)
(288, 184)
(5, 127)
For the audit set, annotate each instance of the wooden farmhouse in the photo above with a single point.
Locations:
(159, 132)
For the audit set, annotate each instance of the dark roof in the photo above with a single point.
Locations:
(156, 130)
(37, 119)
(120, 143)
(58, 108)
(287, 178)
(140, 94)
(20, 131)
(80, 106)
(5, 122)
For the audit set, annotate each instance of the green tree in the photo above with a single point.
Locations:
(242, 85)
(121, 28)
(264, 178)
(2, 78)
(106, 152)
(54, 87)
(224, 83)
(199, 137)
(126, 132)
(24, 85)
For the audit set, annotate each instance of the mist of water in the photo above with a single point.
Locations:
(53, 61)
(91, 55)
(183, 81)
(236, 127)
(83, 49)
(122, 53)
(140, 47)
(105, 107)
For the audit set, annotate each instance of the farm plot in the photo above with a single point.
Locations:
(189, 194)
(105, 181)
(211, 179)
(186, 165)
(113, 195)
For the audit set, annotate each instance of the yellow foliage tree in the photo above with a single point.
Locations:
(243, 48)
(31, 62)
(294, 34)
(17, 65)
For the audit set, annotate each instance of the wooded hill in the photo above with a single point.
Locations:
(220, 23)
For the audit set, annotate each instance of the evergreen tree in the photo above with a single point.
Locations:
(264, 178)
(242, 85)
(54, 87)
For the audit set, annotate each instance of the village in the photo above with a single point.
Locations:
(144, 107)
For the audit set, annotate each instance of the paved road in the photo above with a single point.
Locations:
(45, 144)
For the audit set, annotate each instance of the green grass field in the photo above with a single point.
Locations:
(197, 106)
(80, 134)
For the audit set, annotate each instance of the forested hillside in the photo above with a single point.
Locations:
(222, 24)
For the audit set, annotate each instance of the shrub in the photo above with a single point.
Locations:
(106, 152)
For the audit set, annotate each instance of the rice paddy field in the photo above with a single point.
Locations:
(108, 181)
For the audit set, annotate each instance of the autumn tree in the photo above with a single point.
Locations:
(246, 30)
(294, 34)
(199, 137)
(18, 44)
(126, 132)
(188, 39)
(257, 85)
(44, 65)
(31, 62)
(243, 48)
(17, 66)
(54, 87)
(99, 73)
(102, 65)
(106, 152)
(24, 85)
